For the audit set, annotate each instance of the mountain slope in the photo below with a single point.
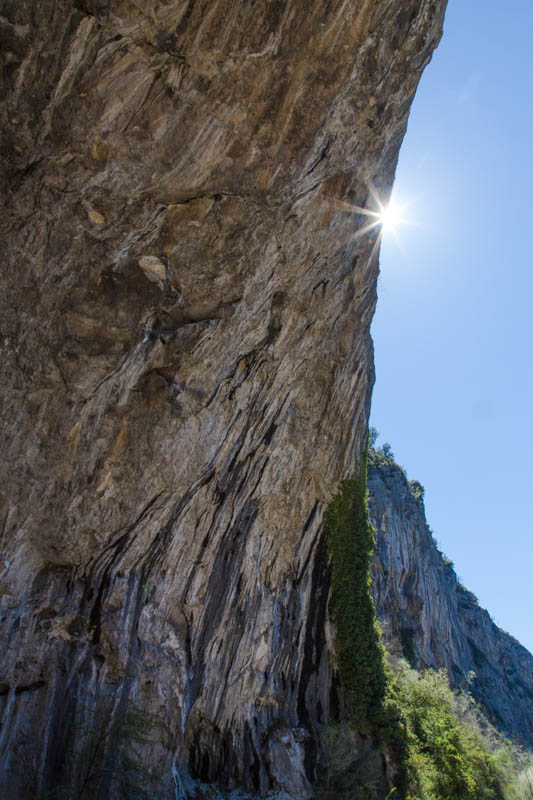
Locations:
(425, 611)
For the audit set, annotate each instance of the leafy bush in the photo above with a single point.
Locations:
(386, 449)
(447, 757)
(417, 490)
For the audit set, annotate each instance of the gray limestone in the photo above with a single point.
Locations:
(427, 614)
(187, 287)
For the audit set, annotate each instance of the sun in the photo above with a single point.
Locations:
(390, 216)
(383, 219)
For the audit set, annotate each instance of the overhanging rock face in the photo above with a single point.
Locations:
(187, 293)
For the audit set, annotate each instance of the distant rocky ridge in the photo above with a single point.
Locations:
(427, 614)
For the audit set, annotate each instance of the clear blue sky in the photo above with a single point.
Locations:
(453, 332)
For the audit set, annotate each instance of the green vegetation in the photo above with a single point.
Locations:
(430, 738)
(417, 490)
(373, 436)
(358, 649)
(382, 457)
(449, 751)
(353, 752)
(447, 756)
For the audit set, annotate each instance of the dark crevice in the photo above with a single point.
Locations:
(161, 540)
(315, 639)
(30, 687)
(324, 284)
(227, 565)
(118, 547)
(322, 155)
(310, 518)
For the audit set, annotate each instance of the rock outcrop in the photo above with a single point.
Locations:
(188, 283)
(430, 616)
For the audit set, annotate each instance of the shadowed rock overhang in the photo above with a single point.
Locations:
(188, 286)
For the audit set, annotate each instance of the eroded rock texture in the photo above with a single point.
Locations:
(435, 620)
(187, 290)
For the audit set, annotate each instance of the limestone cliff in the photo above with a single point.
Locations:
(187, 287)
(428, 614)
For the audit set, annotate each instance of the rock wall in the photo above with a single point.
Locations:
(426, 613)
(188, 283)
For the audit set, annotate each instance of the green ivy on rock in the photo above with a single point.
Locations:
(358, 649)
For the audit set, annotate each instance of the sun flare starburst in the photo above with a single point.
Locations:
(390, 216)
(381, 218)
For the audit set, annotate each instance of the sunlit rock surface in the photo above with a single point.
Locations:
(426, 613)
(187, 290)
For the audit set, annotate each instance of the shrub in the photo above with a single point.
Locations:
(373, 436)
(417, 490)
(386, 449)
(447, 757)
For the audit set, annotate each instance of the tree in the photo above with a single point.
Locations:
(387, 451)
(417, 490)
(373, 436)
